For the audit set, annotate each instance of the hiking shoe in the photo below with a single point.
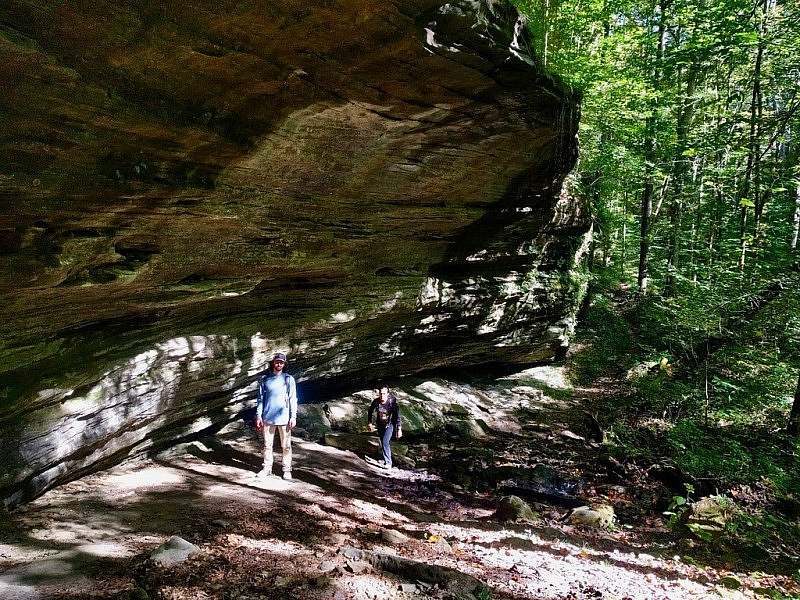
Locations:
(264, 473)
(287, 475)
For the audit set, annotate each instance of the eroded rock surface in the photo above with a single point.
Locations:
(374, 187)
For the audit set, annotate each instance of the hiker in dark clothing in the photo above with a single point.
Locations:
(387, 420)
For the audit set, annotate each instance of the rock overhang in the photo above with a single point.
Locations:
(376, 188)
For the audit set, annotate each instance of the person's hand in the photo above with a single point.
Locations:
(259, 424)
(292, 424)
(399, 433)
(371, 427)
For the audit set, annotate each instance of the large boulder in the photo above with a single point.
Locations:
(187, 187)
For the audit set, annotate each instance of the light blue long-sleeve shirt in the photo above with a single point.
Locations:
(277, 398)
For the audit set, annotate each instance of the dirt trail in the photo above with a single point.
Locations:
(277, 539)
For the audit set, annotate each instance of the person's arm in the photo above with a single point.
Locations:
(259, 404)
(292, 402)
(396, 418)
(372, 407)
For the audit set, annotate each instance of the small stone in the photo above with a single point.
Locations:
(600, 516)
(173, 551)
(443, 545)
(326, 566)
(351, 553)
(392, 536)
(408, 588)
(337, 539)
(514, 508)
(357, 567)
(222, 523)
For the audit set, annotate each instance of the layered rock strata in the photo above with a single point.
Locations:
(186, 188)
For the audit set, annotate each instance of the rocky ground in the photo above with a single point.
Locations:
(345, 529)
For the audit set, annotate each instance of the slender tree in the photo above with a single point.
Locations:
(650, 150)
(794, 416)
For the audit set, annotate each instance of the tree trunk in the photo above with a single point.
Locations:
(794, 416)
(681, 172)
(546, 22)
(796, 224)
(754, 150)
(623, 258)
(644, 244)
(650, 156)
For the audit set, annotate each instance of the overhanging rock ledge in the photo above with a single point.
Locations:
(375, 187)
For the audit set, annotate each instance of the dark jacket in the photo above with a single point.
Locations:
(388, 413)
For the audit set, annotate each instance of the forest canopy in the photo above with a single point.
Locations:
(689, 159)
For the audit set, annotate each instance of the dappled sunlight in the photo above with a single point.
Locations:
(119, 411)
(552, 568)
(71, 532)
(494, 407)
(369, 510)
(263, 349)
(551, 376)
(241, 521)
(143, 478)
(106, 550)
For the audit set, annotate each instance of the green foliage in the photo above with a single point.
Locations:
(604, 343)
(483, 593)
(765, 532)
(678, 505)
(706, 116)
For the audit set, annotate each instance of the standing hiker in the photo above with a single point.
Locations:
(276, 409)
(387, 420)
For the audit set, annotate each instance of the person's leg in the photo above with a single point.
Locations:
(269, 439)
(286, 449)
(381, 431)
(386, 444)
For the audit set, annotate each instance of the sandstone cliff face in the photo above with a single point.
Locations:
(187, 187)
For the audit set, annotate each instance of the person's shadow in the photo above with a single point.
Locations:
(222, 454)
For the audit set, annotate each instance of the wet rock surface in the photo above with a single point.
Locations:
(375, 188)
